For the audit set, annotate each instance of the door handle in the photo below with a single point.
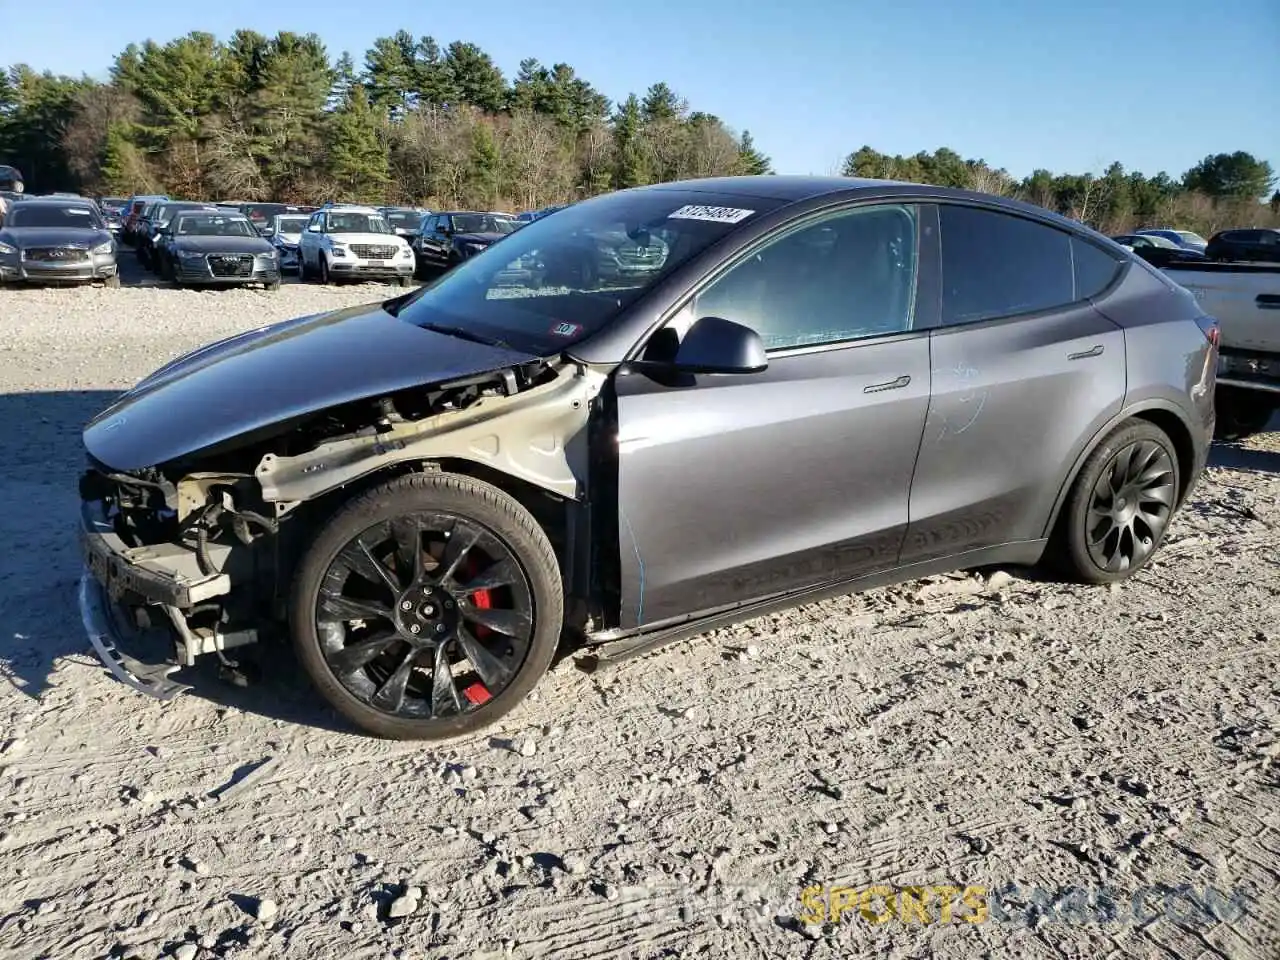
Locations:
(1268, 301)
(1094, 351)
(901, 381)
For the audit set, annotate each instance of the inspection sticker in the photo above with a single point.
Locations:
(693, 211)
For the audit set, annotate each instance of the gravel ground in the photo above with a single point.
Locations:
(956, 732)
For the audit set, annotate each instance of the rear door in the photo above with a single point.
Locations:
(1025, 372)
(738, 487)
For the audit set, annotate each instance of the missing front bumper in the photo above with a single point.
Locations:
(108, 631)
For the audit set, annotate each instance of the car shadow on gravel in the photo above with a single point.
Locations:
(40, 462)
(41, 459)
(1234, 456)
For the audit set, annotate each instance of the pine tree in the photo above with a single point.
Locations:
(357, 160)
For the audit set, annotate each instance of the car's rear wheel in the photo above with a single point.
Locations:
(428, 607)
(1121, 503)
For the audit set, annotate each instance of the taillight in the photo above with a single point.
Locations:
(1209, 327)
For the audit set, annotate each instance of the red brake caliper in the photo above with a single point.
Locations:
(477, 693)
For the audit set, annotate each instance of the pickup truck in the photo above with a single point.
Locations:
(1245, 300)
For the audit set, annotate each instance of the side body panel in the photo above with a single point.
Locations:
(1013, 401)
(745, 486)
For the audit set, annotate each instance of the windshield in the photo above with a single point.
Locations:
(405, 219)
(482, 223)
(560, 279)
(291, 224)
(54, 215)
(214, 227)
(346, 222)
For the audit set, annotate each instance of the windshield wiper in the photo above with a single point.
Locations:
(465, 334)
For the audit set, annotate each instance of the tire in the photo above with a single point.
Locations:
(112, 281)
(1137, 464)
(303, 274)
(272, 287)
(505, 530)
(1241, 413)
(323, 272)
(403, 281)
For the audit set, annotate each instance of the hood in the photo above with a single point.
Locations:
(290, 238)
(485, 238)
(275, 374)
(56, 236)
(223, 244)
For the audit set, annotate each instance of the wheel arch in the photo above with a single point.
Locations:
(1160, 413)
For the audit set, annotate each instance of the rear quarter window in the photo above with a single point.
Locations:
(1093, 269)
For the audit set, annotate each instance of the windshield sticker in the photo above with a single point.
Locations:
(693, 211)
(565, 329)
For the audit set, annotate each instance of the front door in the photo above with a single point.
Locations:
(735, 488)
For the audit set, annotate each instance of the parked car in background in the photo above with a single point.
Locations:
(1260, 245)
(213, 247)
(57, 240)
(11, 179)
(353, 243)
(133, 211)
(285, 231)
(1183, 238)
(1156, 250)
(1245, 299)
(449, 238)
(855, 383)
(405, 221)
(112, 212)
(150, 226)
(528, 216)
(261, 214)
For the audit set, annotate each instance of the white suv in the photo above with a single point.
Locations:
(347, 241)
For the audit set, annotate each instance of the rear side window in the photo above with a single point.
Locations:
(999, 265)
(1093, 269)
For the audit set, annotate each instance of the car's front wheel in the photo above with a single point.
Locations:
(1121, 503)
(428, 607)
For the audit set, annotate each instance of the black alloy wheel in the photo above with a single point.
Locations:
(428, 607)
(1122, 502)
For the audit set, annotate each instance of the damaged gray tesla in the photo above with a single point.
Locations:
(797, 388)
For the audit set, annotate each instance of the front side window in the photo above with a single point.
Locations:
(1000, 265)
(846, 277)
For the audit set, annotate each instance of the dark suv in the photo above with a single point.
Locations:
(1260, 245)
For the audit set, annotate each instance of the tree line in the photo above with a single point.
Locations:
(276, 118)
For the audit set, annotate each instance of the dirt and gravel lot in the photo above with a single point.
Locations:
(1019, 735)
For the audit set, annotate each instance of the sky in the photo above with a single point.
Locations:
(1022, 84)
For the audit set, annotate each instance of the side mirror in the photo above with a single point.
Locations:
(713, 345)
(313, 228)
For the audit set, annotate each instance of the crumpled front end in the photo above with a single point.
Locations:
(157, 588)
(199, 550)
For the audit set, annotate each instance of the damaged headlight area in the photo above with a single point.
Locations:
(195, 556)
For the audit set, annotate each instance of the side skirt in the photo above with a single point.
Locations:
(611, 649)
